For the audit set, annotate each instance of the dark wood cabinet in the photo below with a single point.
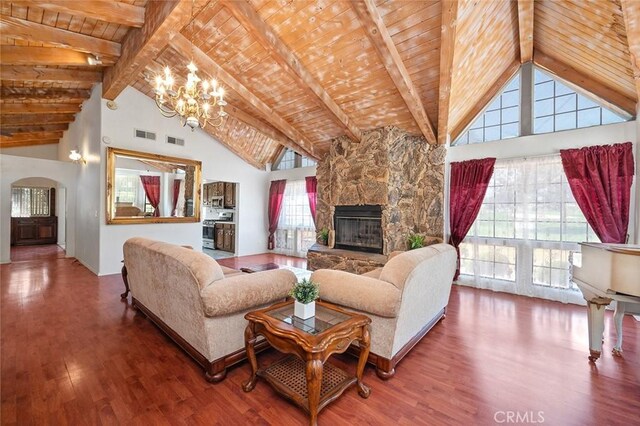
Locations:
(34, 230)
(229, 195)
(226, 237)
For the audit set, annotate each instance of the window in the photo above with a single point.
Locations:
(308, 162)
(527, 230)
(127, 187)
(296, 231)
(288, 160)
(501, 119)
(28, 202)
(557, 107)
(292, 160)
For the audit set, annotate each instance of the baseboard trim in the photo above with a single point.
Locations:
(215, 371)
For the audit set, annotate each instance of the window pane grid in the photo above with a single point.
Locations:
(501, 119)
(528, 206)
(557, 107)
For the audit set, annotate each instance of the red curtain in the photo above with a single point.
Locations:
(469, 181)
(276, 194)
(600, 179)
(151, 185)
(312, 194)
(176, 194)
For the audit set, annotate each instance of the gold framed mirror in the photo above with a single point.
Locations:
(151, 188)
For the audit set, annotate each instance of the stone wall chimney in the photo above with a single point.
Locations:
(400, 172)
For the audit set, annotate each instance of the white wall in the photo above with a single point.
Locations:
(46, 152)
(14, 168)
(36, 182)
(136, 110)
(552, 143)
(84, 135)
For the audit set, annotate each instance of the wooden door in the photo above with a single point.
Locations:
(232, 236)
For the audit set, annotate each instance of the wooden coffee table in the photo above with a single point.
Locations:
(303, 376)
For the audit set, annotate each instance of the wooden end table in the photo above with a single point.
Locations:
(310, 343)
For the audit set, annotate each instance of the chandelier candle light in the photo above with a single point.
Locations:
(194, 102)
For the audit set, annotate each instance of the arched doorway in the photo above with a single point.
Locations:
(38, 219)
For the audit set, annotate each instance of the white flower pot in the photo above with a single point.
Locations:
(304, 310)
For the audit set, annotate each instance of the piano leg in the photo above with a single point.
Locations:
(595, 311)
(617, 319)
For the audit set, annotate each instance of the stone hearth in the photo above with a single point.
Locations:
(323, 257)
(391, 168)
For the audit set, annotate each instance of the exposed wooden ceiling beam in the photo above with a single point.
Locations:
(608, 96)
(42, 94)
(32, 31)
(28, 143)
(447, 47)
(30, 108)
(631, 14)
(525, 29)
(259, 125)
(300, 143)
(163, 19)
(50, 56)
(47, 75)
(276, 155)
(34, 119)
(288, 60)
(486, 99)
(108, 11)
(6, 130)
(373, 24)
(29, 136)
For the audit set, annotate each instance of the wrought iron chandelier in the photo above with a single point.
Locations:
(195, 102)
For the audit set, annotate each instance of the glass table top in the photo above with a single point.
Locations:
(324, 319)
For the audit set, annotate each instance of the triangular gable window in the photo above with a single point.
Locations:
(557, 107)
(500, 120)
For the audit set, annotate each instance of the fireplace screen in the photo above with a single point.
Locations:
(358, 228)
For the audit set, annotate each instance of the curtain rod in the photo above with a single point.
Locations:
(527, 157)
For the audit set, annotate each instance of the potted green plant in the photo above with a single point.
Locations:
(416, 241)
(323, 234)
(305, 294)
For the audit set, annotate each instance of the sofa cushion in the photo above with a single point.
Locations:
(147, 253)
(358, 292)
(230, 272)
(373, 274)
(397, 269)
(240, 292)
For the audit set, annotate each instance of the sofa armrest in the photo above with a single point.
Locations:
(358, 292)
(241, 292)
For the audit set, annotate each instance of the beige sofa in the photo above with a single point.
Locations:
(196, 302)
(404, 299)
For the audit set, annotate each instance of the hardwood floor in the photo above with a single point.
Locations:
(74, 353)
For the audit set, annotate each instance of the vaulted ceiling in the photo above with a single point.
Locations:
(300, 73)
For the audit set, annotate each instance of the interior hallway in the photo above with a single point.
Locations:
(74, 353)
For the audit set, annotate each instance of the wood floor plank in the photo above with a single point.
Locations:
(74, 353)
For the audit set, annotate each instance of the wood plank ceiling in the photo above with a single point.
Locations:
(300, 73)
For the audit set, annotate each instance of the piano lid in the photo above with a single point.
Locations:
(632, 249)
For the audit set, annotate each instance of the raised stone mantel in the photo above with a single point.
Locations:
(323, 257)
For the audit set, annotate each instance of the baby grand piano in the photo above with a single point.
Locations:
(608, 272)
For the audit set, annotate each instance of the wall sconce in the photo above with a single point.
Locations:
(76, 157)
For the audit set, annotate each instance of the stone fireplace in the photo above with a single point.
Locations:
(358, 228)
(389, 168)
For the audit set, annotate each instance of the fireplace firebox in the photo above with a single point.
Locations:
(358, 228)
